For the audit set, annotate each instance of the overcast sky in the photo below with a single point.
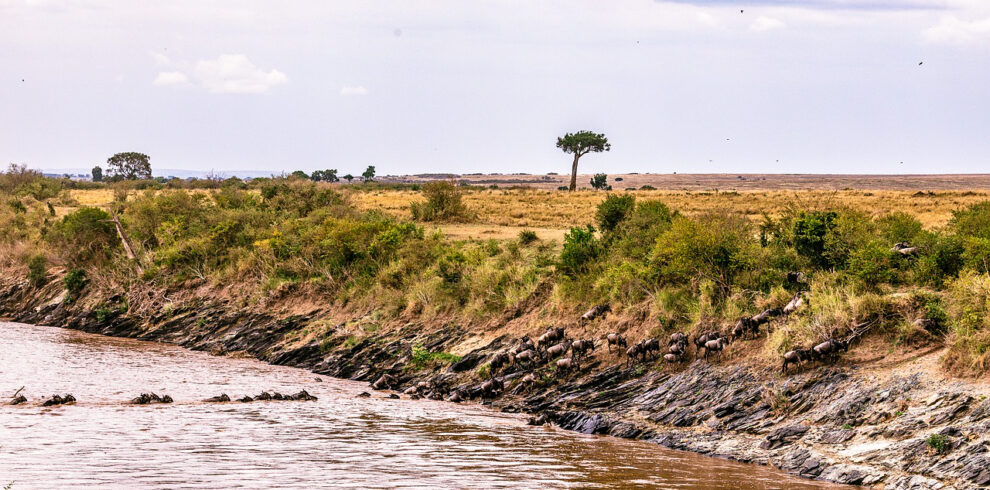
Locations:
(822, 86)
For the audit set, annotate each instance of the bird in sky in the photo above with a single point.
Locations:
(921, 63)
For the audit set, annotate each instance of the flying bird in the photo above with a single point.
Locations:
(921, 63)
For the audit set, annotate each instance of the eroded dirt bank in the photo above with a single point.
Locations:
(902, 426)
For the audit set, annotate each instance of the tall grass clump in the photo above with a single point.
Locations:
(443, 203)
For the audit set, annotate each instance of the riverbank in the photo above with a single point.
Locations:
(892, 424)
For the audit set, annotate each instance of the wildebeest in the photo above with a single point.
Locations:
(59, 400)
(491, 388)
(617, 340)
(701, 340)
(796, 356)
(829, 349)
(146, 398)
(499, 361)
(525, 344)
(650, 346)
(566, 364)
(716, 346)
(632, 352)
(222, 398)
(595, 312)
(744, 328)
(677, 348)
(793, 304)
(580, 347)
(678, 337)
(905, 249)
(527, 356)
(558, 350)
(671, 357)
(552, 334)
(385, 382)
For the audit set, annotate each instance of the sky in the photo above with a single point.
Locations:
(688, 86)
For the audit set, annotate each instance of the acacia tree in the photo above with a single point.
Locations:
(369, 173)
(97, 174)
(129, 166)
(580, 144)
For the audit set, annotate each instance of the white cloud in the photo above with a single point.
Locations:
(167, 78)
(228, 74)
(235, 74)
(349, 90)
(953, 30)
(764, 23)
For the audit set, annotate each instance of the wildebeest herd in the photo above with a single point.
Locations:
(555, 349)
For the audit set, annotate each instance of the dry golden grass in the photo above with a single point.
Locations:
(532, 208)
(501, 214)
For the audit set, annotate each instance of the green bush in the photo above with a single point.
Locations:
(938, 443)
(443, 203)
(423, 358)
(527, 237)
(810, 232)
(973, 221)
(37, 270)
(613, 210)
(580, 248)
(86, 234)
(871, 264)
(715, 247)
(75, 280)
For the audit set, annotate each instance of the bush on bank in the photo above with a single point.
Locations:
(671, 271)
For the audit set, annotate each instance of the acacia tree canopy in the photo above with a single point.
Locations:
(129, 166)
(580, 144)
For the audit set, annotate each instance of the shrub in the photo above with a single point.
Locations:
(810, 231)
(600, 182)
(938, 443)
(423, 358)
(899, 227)
(443, 203)
(871, 264)
(527, 237)
(973, 221)
(37, 270)
(580, 248)
(714, 247)
(613, 210)
(75, 280)
(87, 233)
(968, 305)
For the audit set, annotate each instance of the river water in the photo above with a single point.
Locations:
(339, 441)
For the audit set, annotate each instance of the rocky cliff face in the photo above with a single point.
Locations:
(902, 428)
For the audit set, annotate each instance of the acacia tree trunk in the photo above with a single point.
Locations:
(574, 172)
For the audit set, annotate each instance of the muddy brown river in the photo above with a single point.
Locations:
(339, 441)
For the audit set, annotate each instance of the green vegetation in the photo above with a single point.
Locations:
(423, 358)
(275, 236)
(937, 443)
(443, 203)
(37, 270)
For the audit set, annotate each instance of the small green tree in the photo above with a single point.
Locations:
(328, 175)
(600, 182)
(299, 174)
(97, 174)
(369, 173)
(613, 210)
(129, 166)
(37, 270)
(580, 144)
(348, 178)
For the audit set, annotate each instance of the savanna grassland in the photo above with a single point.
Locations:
(509, 260)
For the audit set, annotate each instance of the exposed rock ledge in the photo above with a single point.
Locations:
(840, 425)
